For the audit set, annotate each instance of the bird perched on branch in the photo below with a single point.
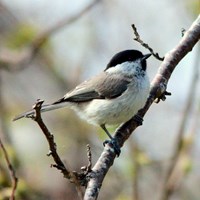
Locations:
(112, 97)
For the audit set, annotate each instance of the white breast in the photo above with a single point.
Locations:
(120, 109)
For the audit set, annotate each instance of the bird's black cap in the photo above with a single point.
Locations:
(124, 56)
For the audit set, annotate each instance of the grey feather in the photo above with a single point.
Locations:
(102, 86)
(44, 108)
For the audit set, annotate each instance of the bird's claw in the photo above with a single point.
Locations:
(137, 118)
(162, 96)
(114, 144)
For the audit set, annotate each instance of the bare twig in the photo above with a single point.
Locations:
(89, 155)
(50, 138)
(169, 188)
(138, 39)
(78, 178)
(182, 32)
(159, 85)
(11, 170)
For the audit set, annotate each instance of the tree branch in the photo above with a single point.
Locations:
(138, 39)
(169, 187)
(78, 178)
(158, 88)
(12, 171)
(50, 138)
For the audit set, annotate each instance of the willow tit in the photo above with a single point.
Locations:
(111, 97)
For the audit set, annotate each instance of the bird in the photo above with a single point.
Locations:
(111, 97)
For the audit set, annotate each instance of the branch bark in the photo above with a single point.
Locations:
(158, 88)
(169, 185)
(74, 177)
(78, 178)
(11, 170)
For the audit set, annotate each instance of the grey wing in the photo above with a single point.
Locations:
(103, 86)
(112, 86)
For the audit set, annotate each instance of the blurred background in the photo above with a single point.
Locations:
(47, 47)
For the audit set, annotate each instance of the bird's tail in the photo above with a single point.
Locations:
(44, 108)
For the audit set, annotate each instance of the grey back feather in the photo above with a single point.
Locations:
(102, 86)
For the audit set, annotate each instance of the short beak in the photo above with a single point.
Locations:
(146, 56)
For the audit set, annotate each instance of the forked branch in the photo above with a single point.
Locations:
(158, 89)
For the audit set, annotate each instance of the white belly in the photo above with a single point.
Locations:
(117, 110)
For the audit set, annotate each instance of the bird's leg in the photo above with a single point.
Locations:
(106, 131)
(112, 141)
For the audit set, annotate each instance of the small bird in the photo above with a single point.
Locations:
(110, 98)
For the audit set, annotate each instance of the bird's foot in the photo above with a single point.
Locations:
(162, 96)
(114, 144)
(138, 119)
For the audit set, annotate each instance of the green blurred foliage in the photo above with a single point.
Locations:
(123, 197)
(4, 171)
(142, 158)
(21, 36)
(102, 135)
(187, 166)
(23, 192)
(194, 7)
(12, 155)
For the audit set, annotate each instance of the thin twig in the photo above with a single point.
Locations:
(50, 138)
(159, 85)
(78, 178)
(89, 155)
(183, 32)
(11, 170)
(138, 39)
